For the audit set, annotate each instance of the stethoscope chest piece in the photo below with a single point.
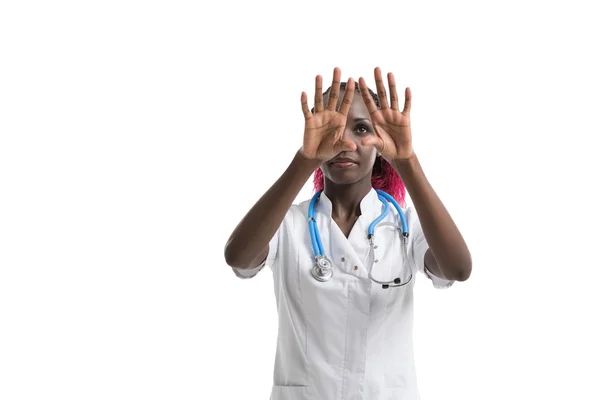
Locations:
(322, 270)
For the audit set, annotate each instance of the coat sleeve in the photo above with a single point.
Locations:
(417, 248)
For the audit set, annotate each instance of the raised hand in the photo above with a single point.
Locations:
(393, 137)
(324, 130)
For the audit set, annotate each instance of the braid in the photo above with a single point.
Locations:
(384, 176)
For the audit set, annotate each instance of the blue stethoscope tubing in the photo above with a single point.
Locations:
(323, 270)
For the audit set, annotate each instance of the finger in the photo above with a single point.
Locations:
(393, 93)
(374, 141)
(304, 101)
(383, 103)
(318, 93)
(334, 93)
(348, 96)
(364, 91)
(407, 100)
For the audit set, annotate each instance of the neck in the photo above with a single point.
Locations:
(346, 198)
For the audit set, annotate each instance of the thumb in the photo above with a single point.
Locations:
(345, 145)
(372, 141)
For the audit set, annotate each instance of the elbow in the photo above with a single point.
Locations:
(230, 255)
(464, 272)
(458, 271)
(233, 258)
(240, 256)
(464, 275)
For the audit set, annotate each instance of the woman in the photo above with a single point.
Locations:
(342, 335)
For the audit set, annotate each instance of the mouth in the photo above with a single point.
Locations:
(343, 163)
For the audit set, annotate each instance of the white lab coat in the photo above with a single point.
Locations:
(347, 338)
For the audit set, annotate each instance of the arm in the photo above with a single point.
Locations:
(448, 256)
(248, 245)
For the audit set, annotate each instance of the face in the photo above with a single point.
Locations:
(358, 126)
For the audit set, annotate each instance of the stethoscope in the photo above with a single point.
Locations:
(322, 271)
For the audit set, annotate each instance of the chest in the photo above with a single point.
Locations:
(346, 244)
(345, 225)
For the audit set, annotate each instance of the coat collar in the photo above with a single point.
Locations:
(370, 205)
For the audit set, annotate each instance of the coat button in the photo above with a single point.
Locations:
(343, 259)
(355, 267)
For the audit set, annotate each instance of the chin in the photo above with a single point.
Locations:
(343, 177)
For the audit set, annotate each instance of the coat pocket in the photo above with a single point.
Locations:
(290, 393)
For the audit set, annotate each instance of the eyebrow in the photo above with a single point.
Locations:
(361, 119)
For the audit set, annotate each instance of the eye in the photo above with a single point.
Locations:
(362, 128)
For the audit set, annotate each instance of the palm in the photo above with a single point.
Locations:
(324, 130)
(321, 133)
(392, 127)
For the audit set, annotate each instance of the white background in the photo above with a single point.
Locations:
(136, 135)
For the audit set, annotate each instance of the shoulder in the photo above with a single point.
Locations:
(410, 213)
(295, 215)
(301, 208)
(412, 219)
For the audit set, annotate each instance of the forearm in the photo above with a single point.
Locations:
(256, 229)
(443, 237)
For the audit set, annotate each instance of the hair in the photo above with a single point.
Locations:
(384, 175)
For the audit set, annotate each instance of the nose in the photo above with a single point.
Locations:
(349, 134)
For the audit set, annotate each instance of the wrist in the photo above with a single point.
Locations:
(306, 163)
(403, 162)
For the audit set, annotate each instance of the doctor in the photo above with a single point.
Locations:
(348, 337)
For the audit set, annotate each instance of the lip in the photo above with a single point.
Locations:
(344, 163)
(343, 160)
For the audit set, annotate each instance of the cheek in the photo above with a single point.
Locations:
(370, 154)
